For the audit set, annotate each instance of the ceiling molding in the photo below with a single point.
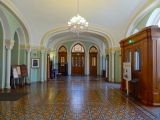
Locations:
(64, 29)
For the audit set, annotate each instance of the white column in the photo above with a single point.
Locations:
(28, 65)
(113, 66)
(87, 64)
(69, 63)
(45, 67)
(7, 84)
(55, 61)
(100, 66)
(42, 66)
(110, 66)
(54, 58)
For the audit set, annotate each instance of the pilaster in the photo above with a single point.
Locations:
(28, 64)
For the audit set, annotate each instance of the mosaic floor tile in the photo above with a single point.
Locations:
(74, 98)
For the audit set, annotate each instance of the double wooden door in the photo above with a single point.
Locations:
(78, 63)
(134, 54)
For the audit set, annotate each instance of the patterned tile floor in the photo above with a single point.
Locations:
(75, 98)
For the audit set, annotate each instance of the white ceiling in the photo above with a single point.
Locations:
(112, 16)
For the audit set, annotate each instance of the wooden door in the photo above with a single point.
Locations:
(137, 66)
(78, 63)
(48, 66)
(93, 60)
(93, 63)
(62, 59)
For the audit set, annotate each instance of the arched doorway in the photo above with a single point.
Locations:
(62, 60)
(77, 60)
(93, 60)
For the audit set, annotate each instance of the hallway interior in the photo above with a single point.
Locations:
(75, 98)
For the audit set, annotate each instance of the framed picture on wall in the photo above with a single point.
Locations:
(35, 63)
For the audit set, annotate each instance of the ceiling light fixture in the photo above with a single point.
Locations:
(78, 24)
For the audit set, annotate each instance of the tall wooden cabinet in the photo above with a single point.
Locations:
(143, 51)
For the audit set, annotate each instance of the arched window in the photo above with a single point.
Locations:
(154, 17)
(93, 49)
(62, 49)
(78, 48)
(135, 31)
(137, 59)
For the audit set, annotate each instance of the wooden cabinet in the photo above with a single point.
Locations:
(143, 51)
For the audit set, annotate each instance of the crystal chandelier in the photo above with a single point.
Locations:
(78, 24)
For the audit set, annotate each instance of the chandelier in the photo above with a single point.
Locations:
(78, 24)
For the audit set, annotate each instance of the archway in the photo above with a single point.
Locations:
(77, 60)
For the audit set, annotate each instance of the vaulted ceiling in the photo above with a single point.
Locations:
(46, 20)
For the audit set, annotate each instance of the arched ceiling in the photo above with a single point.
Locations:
(112, 16)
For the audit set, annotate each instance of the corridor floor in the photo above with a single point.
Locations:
(74, 98)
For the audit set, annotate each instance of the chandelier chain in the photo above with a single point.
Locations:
(78, 7)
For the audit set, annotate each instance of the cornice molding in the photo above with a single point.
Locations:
(110, 50)
(40, 48)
